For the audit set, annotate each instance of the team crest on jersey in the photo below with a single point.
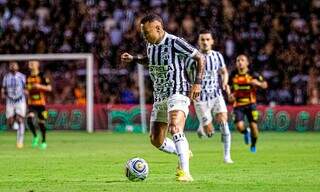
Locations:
(165, 56)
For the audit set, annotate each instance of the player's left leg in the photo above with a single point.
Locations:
(220, 109)
(254, 136)
(20, 114)
(178, 111)
(176, 126)
(203, 112)
(42, 116)
(20, 131)
(253, 116)
(222, 119)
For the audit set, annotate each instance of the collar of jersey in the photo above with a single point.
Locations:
(211, 51)
(162, 41)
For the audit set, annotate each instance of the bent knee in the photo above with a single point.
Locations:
(222, 117)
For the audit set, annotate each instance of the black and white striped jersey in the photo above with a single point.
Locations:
(211, 86)
(14, 85)
(167, 66)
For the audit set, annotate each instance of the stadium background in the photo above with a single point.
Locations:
(281, 38)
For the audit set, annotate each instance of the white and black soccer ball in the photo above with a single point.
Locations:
(136, 169)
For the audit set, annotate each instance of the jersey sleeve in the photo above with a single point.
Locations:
(222, 64)
(184, 48)
(191, 69)
(190, 63)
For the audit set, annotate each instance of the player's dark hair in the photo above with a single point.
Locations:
(246, 56)
(206, 31)
(150, 18)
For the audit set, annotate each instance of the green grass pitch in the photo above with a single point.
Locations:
(77, 161)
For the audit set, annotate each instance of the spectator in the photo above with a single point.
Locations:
(282, 38)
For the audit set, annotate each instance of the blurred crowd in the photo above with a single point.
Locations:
(281, 37)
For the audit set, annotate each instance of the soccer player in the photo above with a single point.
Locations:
(38, 85)
(211, 99)
(244, 84)
(13, 90)
(165, 59)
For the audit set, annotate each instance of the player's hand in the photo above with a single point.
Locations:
(255, 82)
(195, 91)
(126, 57)
(3, 96)
(231, 98)
(226, 88)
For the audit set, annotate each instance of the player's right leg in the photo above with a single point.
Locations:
(10, 116)
(31, 125)
(239, 121)
(10, 113)
(159, 127)
(203, 112)
(159, 139)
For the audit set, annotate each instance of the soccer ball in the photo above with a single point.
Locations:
(136, 169)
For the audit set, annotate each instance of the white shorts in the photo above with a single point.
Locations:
(204, 109)
(160, 110)
(18, 108)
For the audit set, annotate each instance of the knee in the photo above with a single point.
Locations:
(173, 129)
(222, 118)
(240, 127)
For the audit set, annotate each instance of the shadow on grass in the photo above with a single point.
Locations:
(116, 181)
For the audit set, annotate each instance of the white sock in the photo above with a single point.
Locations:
(182, 147)
(168, 146)
(226, 138)
(201, 130)
(20, 133)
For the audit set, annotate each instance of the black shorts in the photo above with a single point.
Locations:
(247, 110)
(39, 110)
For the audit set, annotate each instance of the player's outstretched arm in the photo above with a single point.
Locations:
(47, 88)
(127, 58)
(3, 93)
(225, 79)
(196, 87)
(262, 84)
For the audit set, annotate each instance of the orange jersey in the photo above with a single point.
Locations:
(80, 95)
(242, 89)
(36, 96)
